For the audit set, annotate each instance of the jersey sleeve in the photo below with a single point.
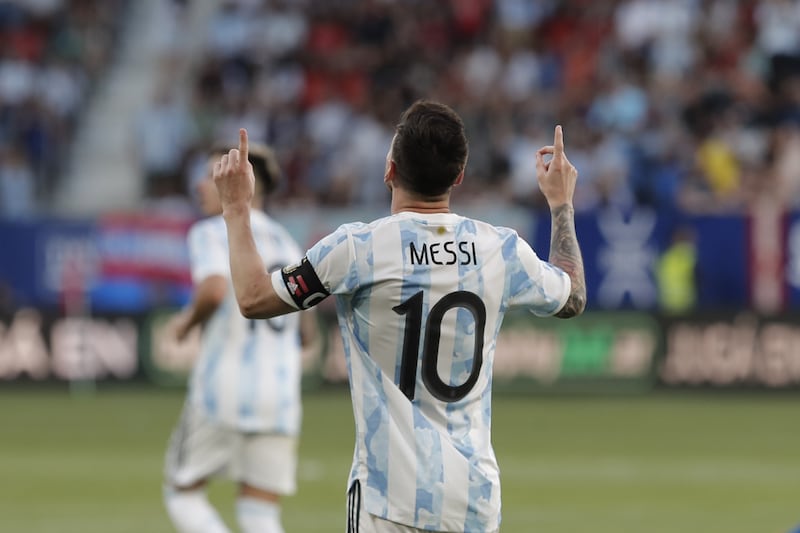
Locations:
(537, 285)
(208, 253)
(326, 269)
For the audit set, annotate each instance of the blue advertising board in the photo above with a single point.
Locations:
(42, 261)
(620, 251)
(37, 253)
(793, 261)
(722, 261)
(119, 260)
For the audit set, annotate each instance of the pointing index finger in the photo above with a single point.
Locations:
(558, 141)
(243, 149)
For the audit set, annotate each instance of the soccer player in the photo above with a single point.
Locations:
(242, 414)
(420, 297)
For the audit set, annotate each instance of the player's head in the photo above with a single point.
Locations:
(429, 150)
(265, 168)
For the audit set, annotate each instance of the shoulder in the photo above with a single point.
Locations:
(350, 229)
(260, 218)
(341, 243)
(505, 233)
(360, 227)
(504, 240)
(485, 229)
(206, 226)
(274, 230)
(263, 223)
(363, 232)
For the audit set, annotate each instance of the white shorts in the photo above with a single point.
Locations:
(360, 521)
(200, 449)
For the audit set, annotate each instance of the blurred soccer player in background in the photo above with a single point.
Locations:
(242, 414)
(420, 298)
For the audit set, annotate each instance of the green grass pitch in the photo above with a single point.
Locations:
(663, 463)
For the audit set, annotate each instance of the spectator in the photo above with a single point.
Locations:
(51, 53)
(162, 134)
(681, 97)
(17, 188)
(675, 273)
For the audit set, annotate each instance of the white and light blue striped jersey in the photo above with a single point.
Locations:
(420, 299)
(248, 373)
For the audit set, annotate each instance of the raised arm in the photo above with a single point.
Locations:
(233, 176)
(557, 178)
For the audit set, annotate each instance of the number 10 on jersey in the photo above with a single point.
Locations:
(428, 353)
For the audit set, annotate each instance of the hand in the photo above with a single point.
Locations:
(234, 178)
(178, 326)
(558, 176)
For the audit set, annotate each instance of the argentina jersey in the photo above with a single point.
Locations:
(420, 300)
(248, 372)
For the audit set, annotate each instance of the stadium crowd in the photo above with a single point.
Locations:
(51, 54)
(691, 105)
(680, 104)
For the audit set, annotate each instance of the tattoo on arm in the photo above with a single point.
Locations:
(566, 254)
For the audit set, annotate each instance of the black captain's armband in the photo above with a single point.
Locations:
(303, 284)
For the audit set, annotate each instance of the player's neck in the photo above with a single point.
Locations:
(402, 201)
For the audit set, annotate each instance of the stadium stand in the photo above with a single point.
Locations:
(119, 147)
(679, 104)
(52, 54)
(687, 105)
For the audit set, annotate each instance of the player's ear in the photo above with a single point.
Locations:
(390, 172)
(459, 179)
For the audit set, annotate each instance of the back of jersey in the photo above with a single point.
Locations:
(420, 301)
(248, 373)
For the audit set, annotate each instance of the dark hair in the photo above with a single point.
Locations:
(265, 164)
(430, 148)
